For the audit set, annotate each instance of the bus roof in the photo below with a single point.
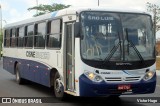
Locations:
(70, 10)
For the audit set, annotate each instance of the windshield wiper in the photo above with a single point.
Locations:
(138, 53)
(134, 47)
(112, 52)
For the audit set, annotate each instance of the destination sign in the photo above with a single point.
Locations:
(102, 18)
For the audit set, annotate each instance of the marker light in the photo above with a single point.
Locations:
(93, 77)
(148, 75)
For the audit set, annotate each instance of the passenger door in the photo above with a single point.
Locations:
(70, 56)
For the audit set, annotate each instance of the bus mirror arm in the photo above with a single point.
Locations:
(77, 29)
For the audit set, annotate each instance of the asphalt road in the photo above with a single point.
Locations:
(9, 88)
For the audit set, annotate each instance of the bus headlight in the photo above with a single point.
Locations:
(92, 76)
(148, 75)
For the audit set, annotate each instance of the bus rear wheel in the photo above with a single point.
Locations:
(58, 87)
(19, 80)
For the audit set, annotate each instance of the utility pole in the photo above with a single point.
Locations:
(98, 2)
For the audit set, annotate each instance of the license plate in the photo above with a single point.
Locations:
(124, 87)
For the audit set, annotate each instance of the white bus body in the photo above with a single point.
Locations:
(60, 61)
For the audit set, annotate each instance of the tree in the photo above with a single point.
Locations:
(155, 11)
(42, 9)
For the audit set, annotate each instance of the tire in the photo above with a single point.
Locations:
(58, 87)
(19, 80)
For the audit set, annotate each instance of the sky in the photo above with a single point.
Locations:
(16, 10)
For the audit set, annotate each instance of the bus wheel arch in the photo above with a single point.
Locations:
(56, 84)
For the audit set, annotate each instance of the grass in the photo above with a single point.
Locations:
(158, 63)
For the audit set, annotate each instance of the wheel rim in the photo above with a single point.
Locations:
(17, 76)
(58, 86)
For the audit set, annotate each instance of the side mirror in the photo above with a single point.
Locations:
(77, 29)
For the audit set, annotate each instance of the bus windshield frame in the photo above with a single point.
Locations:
(116, 37)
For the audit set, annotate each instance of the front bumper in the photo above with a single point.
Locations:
(89, 88)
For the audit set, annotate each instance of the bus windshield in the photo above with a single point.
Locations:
(114, 36)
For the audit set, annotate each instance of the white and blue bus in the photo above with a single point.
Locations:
(84, 51)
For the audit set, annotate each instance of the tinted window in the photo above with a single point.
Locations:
(40, 35)
(54, 34)
(13, 38)
(29, 36)
(20, 36)
(7, 38)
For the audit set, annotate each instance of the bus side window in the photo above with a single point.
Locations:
(39, 40)
(13, 37)
(29, 36)
(17, 35)
(54, 34)
(25, 36)
(20, 36)
(7, 38)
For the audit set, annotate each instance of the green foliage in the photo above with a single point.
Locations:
(42, 9)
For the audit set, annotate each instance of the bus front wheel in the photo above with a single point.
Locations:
(58, 86)
(19, 80)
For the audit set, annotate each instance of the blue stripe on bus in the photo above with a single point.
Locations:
(54, 13)
(91, 89)
(31, 70)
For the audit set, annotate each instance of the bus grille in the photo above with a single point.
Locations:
(120, 79)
